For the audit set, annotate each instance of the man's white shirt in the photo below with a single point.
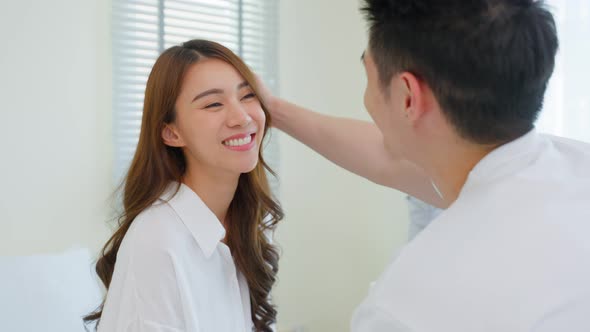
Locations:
(512, 253)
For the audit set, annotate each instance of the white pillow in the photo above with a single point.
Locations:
(47, 292)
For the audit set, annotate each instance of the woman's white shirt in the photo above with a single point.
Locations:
(173, 273)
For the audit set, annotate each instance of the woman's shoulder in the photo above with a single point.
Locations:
(157, 228)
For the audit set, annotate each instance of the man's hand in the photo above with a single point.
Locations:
(265, 96)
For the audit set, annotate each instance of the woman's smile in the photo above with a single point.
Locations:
(240, 142)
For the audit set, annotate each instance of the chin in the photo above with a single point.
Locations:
(247, 167)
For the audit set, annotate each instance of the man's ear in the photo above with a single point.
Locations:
(171, 137)
(413, 96)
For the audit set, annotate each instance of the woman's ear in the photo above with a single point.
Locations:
(171, 137)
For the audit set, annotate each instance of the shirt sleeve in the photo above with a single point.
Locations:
(421, 214)
(144, 294)
(157, 293)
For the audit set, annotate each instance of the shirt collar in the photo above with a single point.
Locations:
(507, 159)
(201, 222)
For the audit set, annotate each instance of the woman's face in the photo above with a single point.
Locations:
(219, 120)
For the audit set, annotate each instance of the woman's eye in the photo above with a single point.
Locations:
(213, 105)
(248, 96)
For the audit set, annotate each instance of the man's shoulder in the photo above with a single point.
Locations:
(569, 150)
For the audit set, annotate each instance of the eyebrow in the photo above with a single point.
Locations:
(243, 85)
(363, 57)
(218, 91)
(208, 92)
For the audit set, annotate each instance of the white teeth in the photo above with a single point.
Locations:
(239, 141)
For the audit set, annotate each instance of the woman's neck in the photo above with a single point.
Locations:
(216, 189)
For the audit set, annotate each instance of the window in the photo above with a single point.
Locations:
(142, 29)
(567, 102)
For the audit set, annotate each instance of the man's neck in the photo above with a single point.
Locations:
(451, 165)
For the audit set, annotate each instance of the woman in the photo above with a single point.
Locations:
(191, 253)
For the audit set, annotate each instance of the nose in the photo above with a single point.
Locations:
(238, 116)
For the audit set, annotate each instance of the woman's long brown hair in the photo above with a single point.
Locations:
(252, 212)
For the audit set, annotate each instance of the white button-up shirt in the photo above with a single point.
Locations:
(512, 254)
(173, 273)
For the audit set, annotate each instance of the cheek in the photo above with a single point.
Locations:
(366, 99)
(373, 104)
(257, 114)
(201, 129)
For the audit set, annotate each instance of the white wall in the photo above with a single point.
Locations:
(55, 169)
(340, 229)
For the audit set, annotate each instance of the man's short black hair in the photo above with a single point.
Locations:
(487, 61)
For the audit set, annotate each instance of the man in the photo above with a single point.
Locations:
(454, 88)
